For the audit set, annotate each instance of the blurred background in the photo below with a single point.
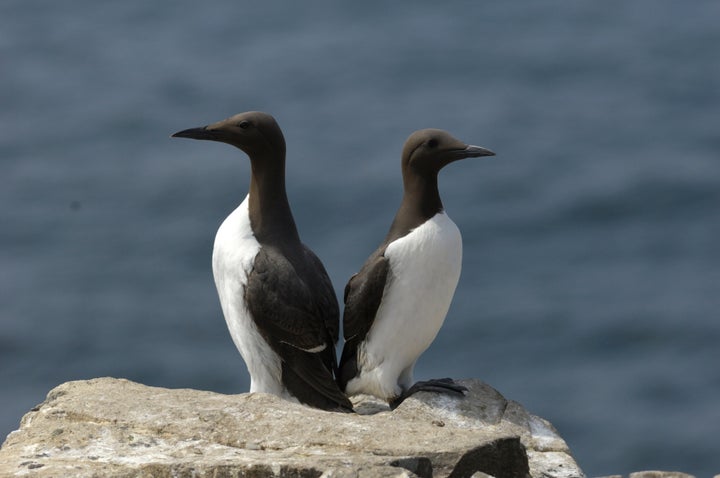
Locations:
(590, 290)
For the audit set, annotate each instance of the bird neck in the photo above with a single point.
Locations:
(421, 201)
(270, 216)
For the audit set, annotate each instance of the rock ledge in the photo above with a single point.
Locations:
(118, 428)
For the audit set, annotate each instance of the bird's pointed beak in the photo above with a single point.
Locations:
(202, 132)
(472, 151)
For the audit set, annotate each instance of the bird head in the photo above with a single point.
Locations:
(427, 151)
(254, 132)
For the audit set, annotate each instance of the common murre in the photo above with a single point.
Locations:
(276, 296)
(397, 302)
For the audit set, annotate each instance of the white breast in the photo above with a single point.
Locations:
(233, 254)
(424, 271)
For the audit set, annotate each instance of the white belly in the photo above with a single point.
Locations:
(233, 254)
(424, 271)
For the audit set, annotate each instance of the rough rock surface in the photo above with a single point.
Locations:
(659, 474)
(117, 428)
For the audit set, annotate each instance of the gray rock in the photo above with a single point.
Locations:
(117, 428)
(660, 474)
(655, 474)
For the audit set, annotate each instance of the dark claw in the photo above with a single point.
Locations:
(440, 385)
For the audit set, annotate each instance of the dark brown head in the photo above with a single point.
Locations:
(427, 151)
(256, 133)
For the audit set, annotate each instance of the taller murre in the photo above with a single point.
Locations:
(276, 296)
(397, 302)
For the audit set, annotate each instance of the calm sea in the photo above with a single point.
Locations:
(590, 289)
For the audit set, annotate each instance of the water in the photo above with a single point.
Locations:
(591, 278)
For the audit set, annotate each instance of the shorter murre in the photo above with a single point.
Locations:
(276, 296)
(397, 302)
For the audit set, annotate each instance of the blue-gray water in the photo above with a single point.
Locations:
(591, 281)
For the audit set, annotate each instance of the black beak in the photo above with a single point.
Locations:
(475, 152)
(470, 152)
(197, 133)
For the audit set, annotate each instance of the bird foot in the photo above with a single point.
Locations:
(440, 385)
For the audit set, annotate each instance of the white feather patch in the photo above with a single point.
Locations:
(424, 272)
(233, 255)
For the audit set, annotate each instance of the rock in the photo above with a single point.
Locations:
(659, 474)
(655, 474)
(117, 428)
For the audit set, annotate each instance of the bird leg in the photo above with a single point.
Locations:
(440, 385)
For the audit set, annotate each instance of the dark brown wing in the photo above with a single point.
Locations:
(363, 294)
(292, 313)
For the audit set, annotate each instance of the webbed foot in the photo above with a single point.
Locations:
(440, 385)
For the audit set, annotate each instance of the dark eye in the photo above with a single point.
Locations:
(432, 143)
(244, 124)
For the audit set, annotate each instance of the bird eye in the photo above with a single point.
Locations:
(244, 124)
(432, 143)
